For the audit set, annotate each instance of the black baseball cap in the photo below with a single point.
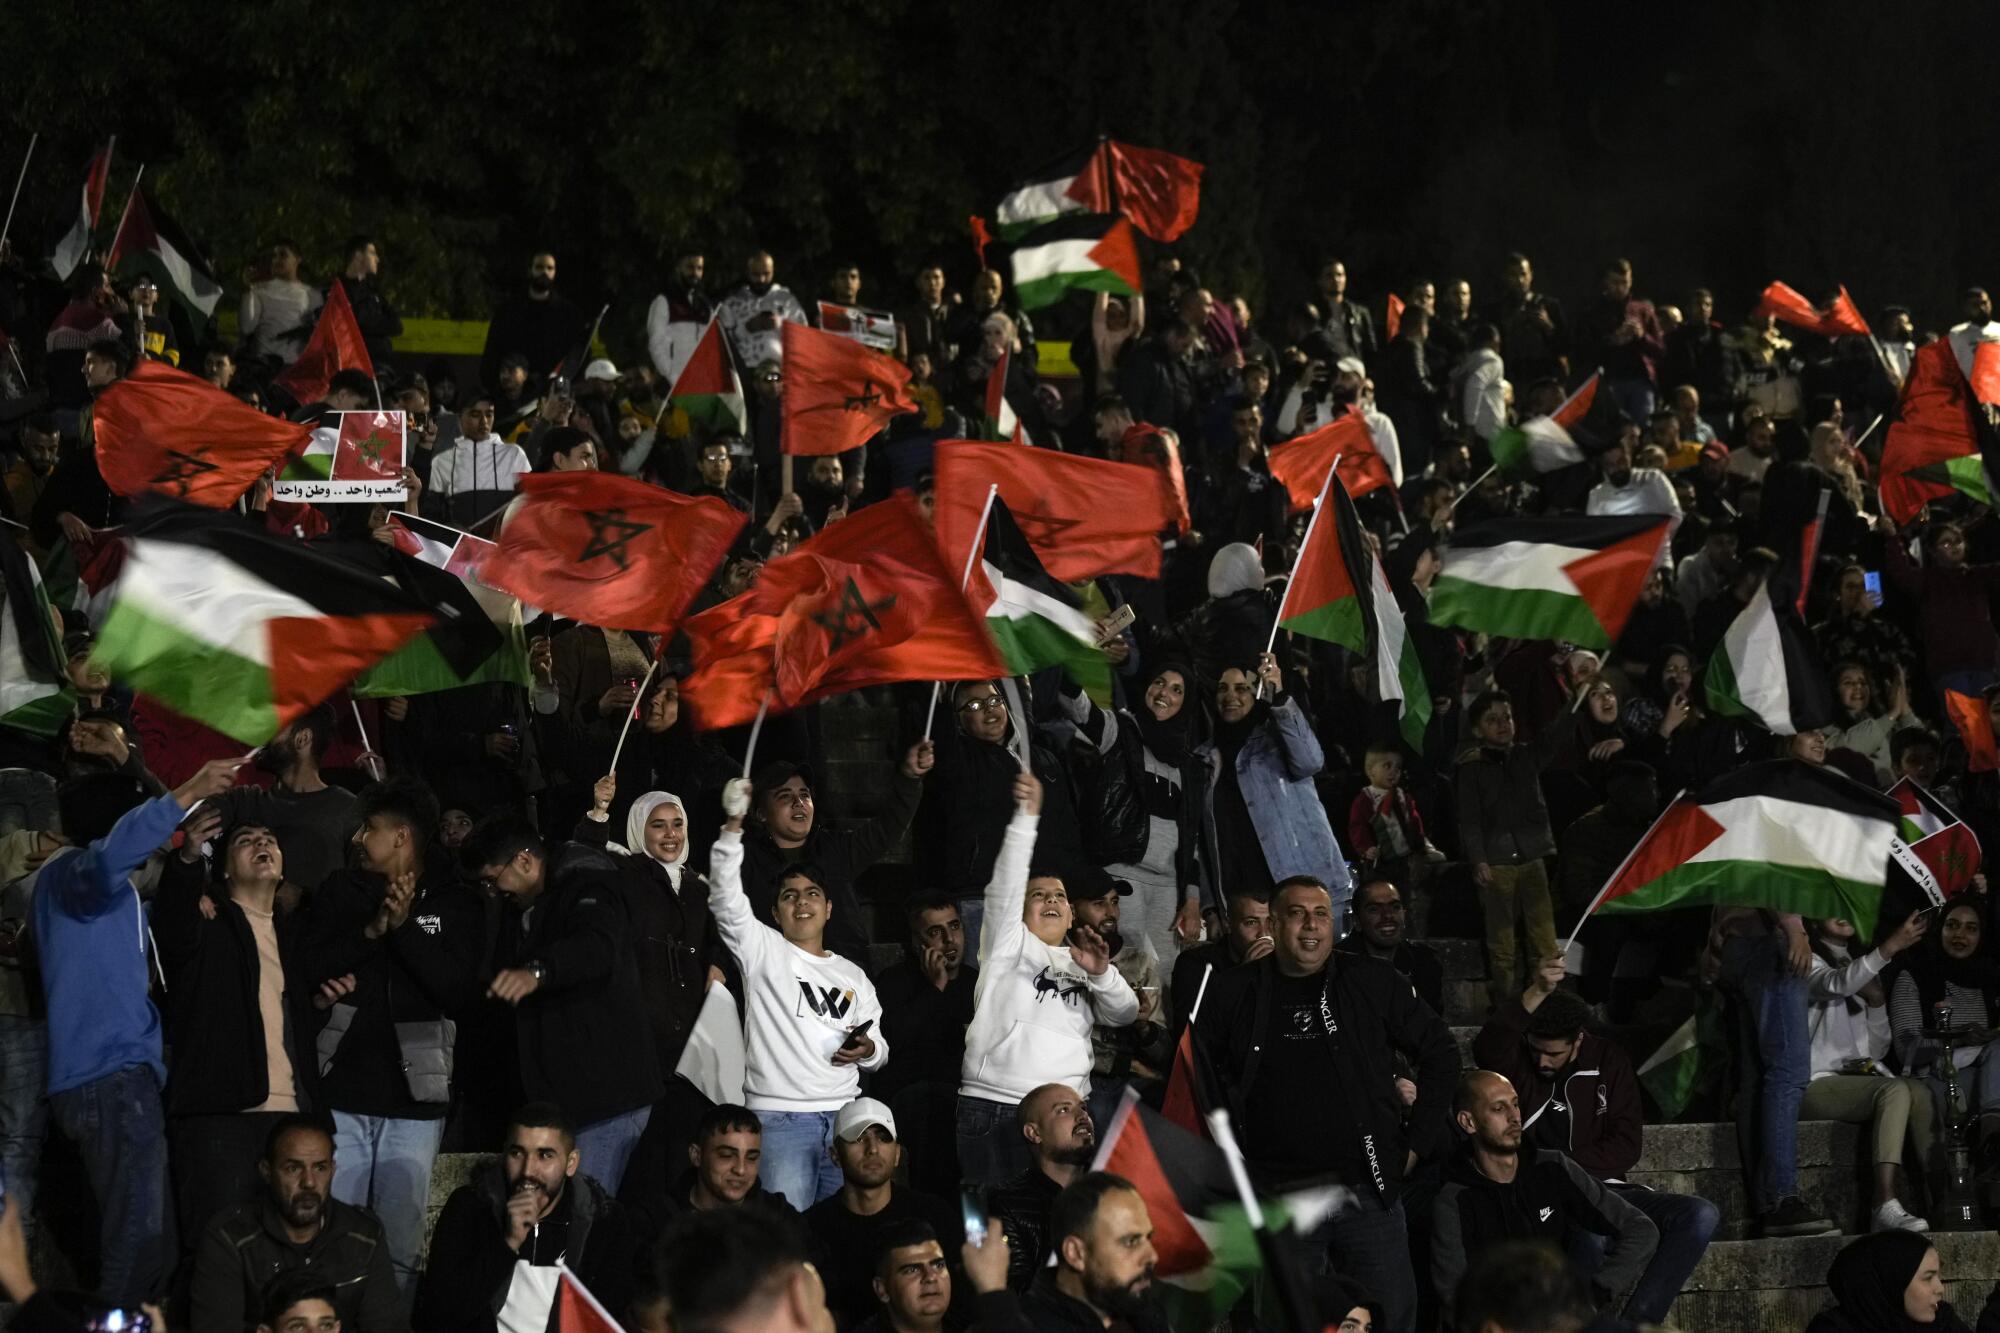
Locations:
(1089, 883)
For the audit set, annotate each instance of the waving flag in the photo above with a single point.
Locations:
(429, 662)
(709, 389)
(838, 393)
(1035, 621)
(1571, 579)
(336, 345)
(161, 429)
(35, 691)
(1158, 191)
(1537, 445)
(1767, 666)
(1086, 251)
(1301, 462)
(1840, 317)
(1937, 837)
(75, 243)
(1932, 450)
(149, 242)
(1084, 516)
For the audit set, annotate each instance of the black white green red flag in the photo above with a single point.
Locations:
(1571, 579)
(1937, 837)
(35, 692)
(1086, 251)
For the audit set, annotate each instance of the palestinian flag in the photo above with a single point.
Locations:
(709, 389)
(426, 663)
(1687, 1062)
(1932, 450)
(1159, 191)
(35, 692)
(1001, 421)
(1538, 445)
(1572, 410)
(149, 242)
(577, 1311)
(1338, 593)
(1089, 251)
(1791, 307)
(1937, 837)
(1778, 834)
(1767, 666)
(1034, 620)
(1974, 724)
(243, 631)
(75, 243)
(1571, 579)
(1300, 463)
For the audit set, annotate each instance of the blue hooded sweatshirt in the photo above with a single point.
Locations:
(90, 935)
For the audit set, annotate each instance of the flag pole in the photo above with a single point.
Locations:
(978, 539)
(367, 748)
(1285, 1280)
(1319, 504)
(757, 726)
(1472, 486)
(633, 712)
(131, 194)
(1568, 943)
(26, 158)
(1879, 418)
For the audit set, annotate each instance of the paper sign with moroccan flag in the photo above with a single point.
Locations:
(866, 601)
(1084, 516)
(161, 429)
(1778, 834)
(1939, 838)
(870, 328)
(1300, 463)
(1974, 723)
(352, 456)
(1933, 449)
(1338, 593)
(336, 345)
(1840, 317)
(1571, 579)
(837, 392)
(243, 631)
(709, 390)
(608, 550)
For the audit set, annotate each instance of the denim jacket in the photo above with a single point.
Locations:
(1275, 769)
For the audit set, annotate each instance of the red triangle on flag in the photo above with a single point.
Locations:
(1969, 715)
(577, 1311)
(1573, 409)
(1612, 579)
(1392, 316)
(314, 656)
(1118, 253)
(1681, 832)
(1179, 1246)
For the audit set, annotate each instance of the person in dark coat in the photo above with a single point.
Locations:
(538, 324)
(1893, 1282)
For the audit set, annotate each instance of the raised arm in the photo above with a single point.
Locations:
(1007, 892)
(728, 905)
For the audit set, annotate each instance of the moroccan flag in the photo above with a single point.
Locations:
(1084, 516)
(1339, 593)
(609, 550)
(866, 601)
(1086, 251)
(1933, 448)
(1571, 579)
(709, 389)
(161, 429)
(1001, 421)
(75, 243)
(149, 242)
(837, 392)
(1840, 317)
(1158, 191)
(1537, 445)
(1392, 316)
(1767, 666)
(1985, 373)
(1777, 834)
(577, 1311)
(1974, 724)
(1572, 410)
(336, 345)
(1937, 837)
(243, 631)
(1035, 621)
(35, 692)
(430, 662)
(1301, 462)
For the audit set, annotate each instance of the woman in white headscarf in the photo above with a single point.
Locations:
(668, 907)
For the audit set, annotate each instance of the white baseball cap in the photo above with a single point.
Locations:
(855, 1118)
(600, 369)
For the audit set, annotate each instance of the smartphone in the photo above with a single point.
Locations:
(560, 387)
(1115, 624)
(972, 1211)
(119, 1321)
(855, 1034)
(1872, 580)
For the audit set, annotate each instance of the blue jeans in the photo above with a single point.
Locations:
(121, 1135)
(798, 1156)
(971, 913)
(1686, 1221)
(603, 1148)
(1635, 397)
(24, 1107)
(385, 1165)
(1774, 1063)
(990, 1146)
(1369, 1244)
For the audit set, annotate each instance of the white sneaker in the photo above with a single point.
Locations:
(1892, 1216)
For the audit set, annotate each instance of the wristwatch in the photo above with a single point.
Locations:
(536, 968)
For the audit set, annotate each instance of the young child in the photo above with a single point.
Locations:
(1384, 825)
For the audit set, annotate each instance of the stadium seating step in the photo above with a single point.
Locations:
(1777, 1286)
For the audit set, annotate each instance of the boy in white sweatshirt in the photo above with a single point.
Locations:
(811, 1018)
(1036, 1002)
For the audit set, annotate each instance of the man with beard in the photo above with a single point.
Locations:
(1062, 1140)
(677, 316)
(1534, 336)
(754, 315)
(1381, 931)
(538, 324)
(1104, 1272)
(1495, 1192)
(850, 1224)
(1633, 490)
(1246, 939)
(502, 1241)
(1120, 1048)
(295, 1224)
(313, 820)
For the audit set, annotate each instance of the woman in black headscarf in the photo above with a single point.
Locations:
(1891, 1282)
(1953, 968)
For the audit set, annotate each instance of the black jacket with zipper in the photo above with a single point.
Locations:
(245, 1249)
(841, 855)
(214, 1014)
(1376, 1013)
(423, 970)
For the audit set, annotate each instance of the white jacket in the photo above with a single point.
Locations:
(1836, 1034)
(490, 464)
(798, 1006)
(1034, 1007)
(670, 342)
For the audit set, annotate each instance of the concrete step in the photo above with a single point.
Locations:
(1463, 960)
(1777, 1286)
(1465, 1001)
(1838, 1193)
(1712, 1146)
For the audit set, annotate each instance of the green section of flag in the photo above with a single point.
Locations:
(418, 668)
(38, 707)
(1686, 1062)
(1807, 890)
(1965, 474)
(198, 679)
(1516, 613)
(1028, 642)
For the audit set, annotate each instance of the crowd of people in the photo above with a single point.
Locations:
(259, 998)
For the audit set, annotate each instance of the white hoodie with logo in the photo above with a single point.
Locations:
(798, 1006)
(1034, 1007)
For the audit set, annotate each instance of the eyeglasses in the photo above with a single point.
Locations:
(991, 703)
